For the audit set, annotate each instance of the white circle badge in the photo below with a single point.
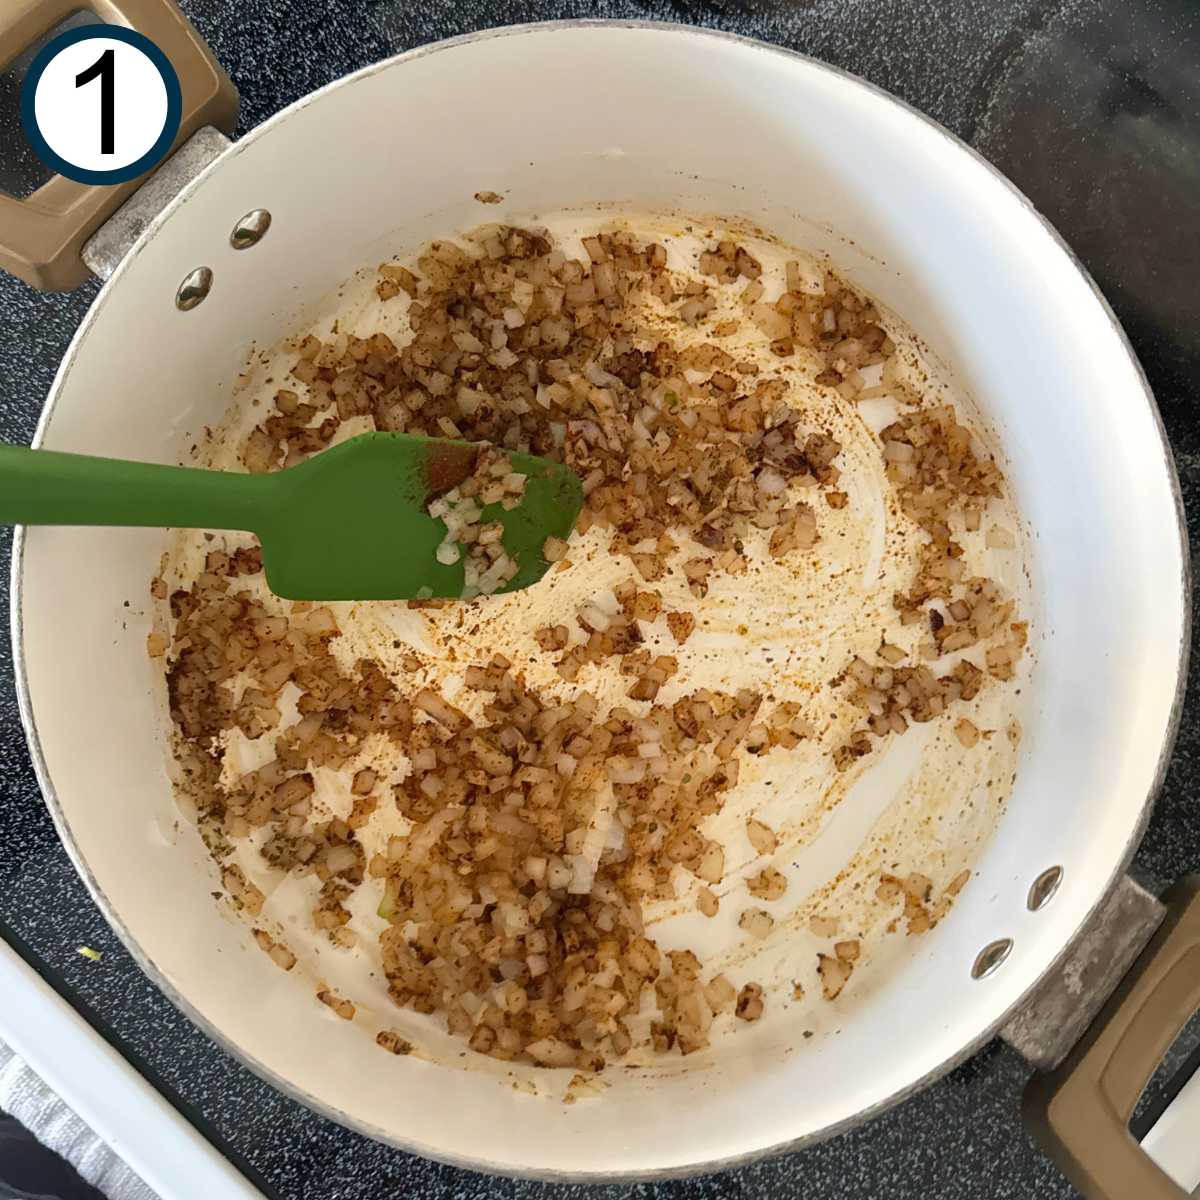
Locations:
(101, 104)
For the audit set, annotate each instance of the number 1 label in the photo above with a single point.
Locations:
(103, 69)
(101, 104)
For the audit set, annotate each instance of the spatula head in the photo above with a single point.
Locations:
(351, 523)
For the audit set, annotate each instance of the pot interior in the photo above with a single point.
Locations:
(653, 119)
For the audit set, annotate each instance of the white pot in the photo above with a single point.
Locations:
(655, 117)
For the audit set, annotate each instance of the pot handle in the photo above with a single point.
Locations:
(1080, 1112)
(41, 236)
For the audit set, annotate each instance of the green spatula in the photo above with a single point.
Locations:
(348, 524)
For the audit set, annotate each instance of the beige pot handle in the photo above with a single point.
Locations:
(1080, 1111)
(42, 235)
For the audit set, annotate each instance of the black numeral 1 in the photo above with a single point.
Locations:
(103, 68)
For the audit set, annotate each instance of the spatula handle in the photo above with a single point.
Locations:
(45, 487)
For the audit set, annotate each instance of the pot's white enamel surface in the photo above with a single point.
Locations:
(657, 118)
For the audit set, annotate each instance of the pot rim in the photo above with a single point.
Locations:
(323, 1108)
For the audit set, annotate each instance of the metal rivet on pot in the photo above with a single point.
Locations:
(194, 289)
(1042, 890)
(990, 957)
(250, 230)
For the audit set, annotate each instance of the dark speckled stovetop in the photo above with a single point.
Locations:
(1093, 108)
